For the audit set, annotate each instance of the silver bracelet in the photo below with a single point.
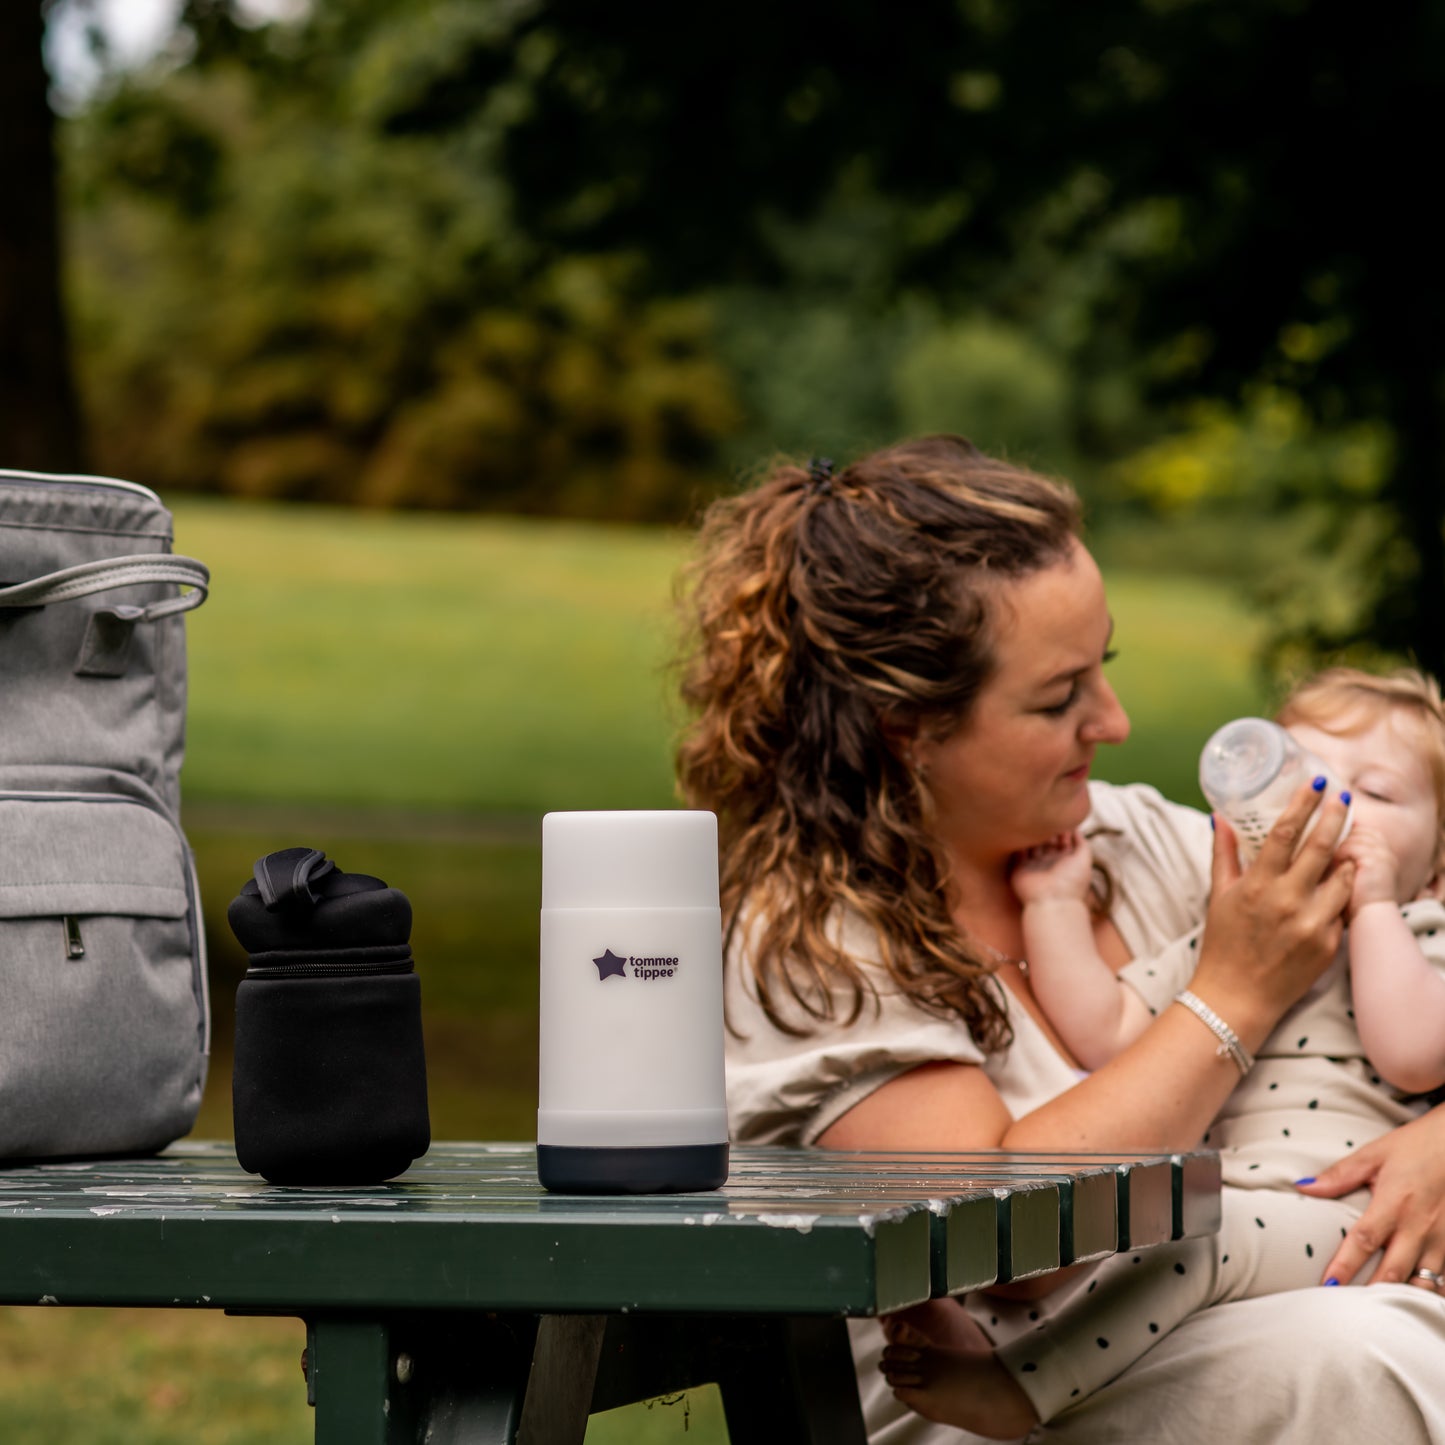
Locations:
(1229, 1044)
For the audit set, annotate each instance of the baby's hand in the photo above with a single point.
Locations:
(1061, 868)
(1377, 876)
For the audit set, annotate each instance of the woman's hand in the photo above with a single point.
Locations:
(1272, 929)
(1405, 1173)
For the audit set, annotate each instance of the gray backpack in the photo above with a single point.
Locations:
(104, 1013)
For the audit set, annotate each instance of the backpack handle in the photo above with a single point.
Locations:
(109, 572)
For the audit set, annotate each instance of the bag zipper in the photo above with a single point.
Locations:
(74, 941)
(328, 970)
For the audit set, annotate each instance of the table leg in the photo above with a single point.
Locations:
(445, 1380)
(780, 1378)
(560, 1386)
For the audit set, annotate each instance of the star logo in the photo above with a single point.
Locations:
(610, 966)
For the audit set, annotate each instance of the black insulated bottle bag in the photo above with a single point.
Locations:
(329, 1082)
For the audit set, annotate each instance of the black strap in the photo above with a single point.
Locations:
(285, 878)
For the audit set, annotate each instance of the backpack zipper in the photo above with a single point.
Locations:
(74, 943)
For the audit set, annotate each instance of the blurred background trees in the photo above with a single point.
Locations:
(566, 258)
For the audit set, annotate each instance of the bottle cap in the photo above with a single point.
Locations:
(666, 858)
(1242, 759)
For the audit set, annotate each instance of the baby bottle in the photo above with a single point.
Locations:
(630, 1097)
(1248, 772)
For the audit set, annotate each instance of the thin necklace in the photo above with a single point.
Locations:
(998, 956)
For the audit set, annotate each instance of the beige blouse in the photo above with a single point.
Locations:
(785, 1090)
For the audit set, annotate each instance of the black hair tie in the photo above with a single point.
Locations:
(820, 476)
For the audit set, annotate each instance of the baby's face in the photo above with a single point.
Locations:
(1383, 767)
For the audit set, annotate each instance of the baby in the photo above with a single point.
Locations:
(1345, 1065)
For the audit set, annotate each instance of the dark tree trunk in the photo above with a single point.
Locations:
(39, 415)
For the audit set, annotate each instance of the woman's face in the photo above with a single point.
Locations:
(1015, 773)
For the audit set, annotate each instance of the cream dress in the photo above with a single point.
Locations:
(1313, 1365)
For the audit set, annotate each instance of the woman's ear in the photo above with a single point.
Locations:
(908, 742)
(897, 733)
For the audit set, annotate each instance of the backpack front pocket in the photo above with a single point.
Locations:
(102, 991)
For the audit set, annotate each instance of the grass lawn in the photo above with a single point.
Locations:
(197, 1377)
(410, 694)
(441, 663)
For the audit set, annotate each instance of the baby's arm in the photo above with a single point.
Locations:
(1096, 1015)
(1399, 996)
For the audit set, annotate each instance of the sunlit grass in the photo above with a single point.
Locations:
(150, 1377)
(444, 663)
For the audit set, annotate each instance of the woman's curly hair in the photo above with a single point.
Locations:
(832, 617)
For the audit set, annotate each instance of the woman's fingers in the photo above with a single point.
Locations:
(1272, 929)
(1282, 841)
(1379, 1227)
(1405, 1217)
(1295, 847)
(1225, 868)
(1317, 851)
(1345, 1175)
(1327, 901)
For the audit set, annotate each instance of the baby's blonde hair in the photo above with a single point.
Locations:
(1344, 700)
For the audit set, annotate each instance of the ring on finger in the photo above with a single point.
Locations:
(1432, 1277)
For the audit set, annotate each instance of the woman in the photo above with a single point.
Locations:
(897, 681)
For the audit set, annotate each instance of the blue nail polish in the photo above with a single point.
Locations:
(1310, 1180)
(1332, 1281)
(1345, 799)
(1319, 784)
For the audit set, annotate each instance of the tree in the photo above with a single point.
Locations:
(283, 290)
(39, 419)
(1275, 152)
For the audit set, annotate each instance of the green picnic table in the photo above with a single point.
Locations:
(462, 1304)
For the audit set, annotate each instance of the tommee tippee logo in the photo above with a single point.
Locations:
(611, 965)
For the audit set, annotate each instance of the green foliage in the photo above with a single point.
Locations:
(1284, 248)
(536, 256)
(995, 384)
(1267, 453)
(1299, 508)
(290, 291)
